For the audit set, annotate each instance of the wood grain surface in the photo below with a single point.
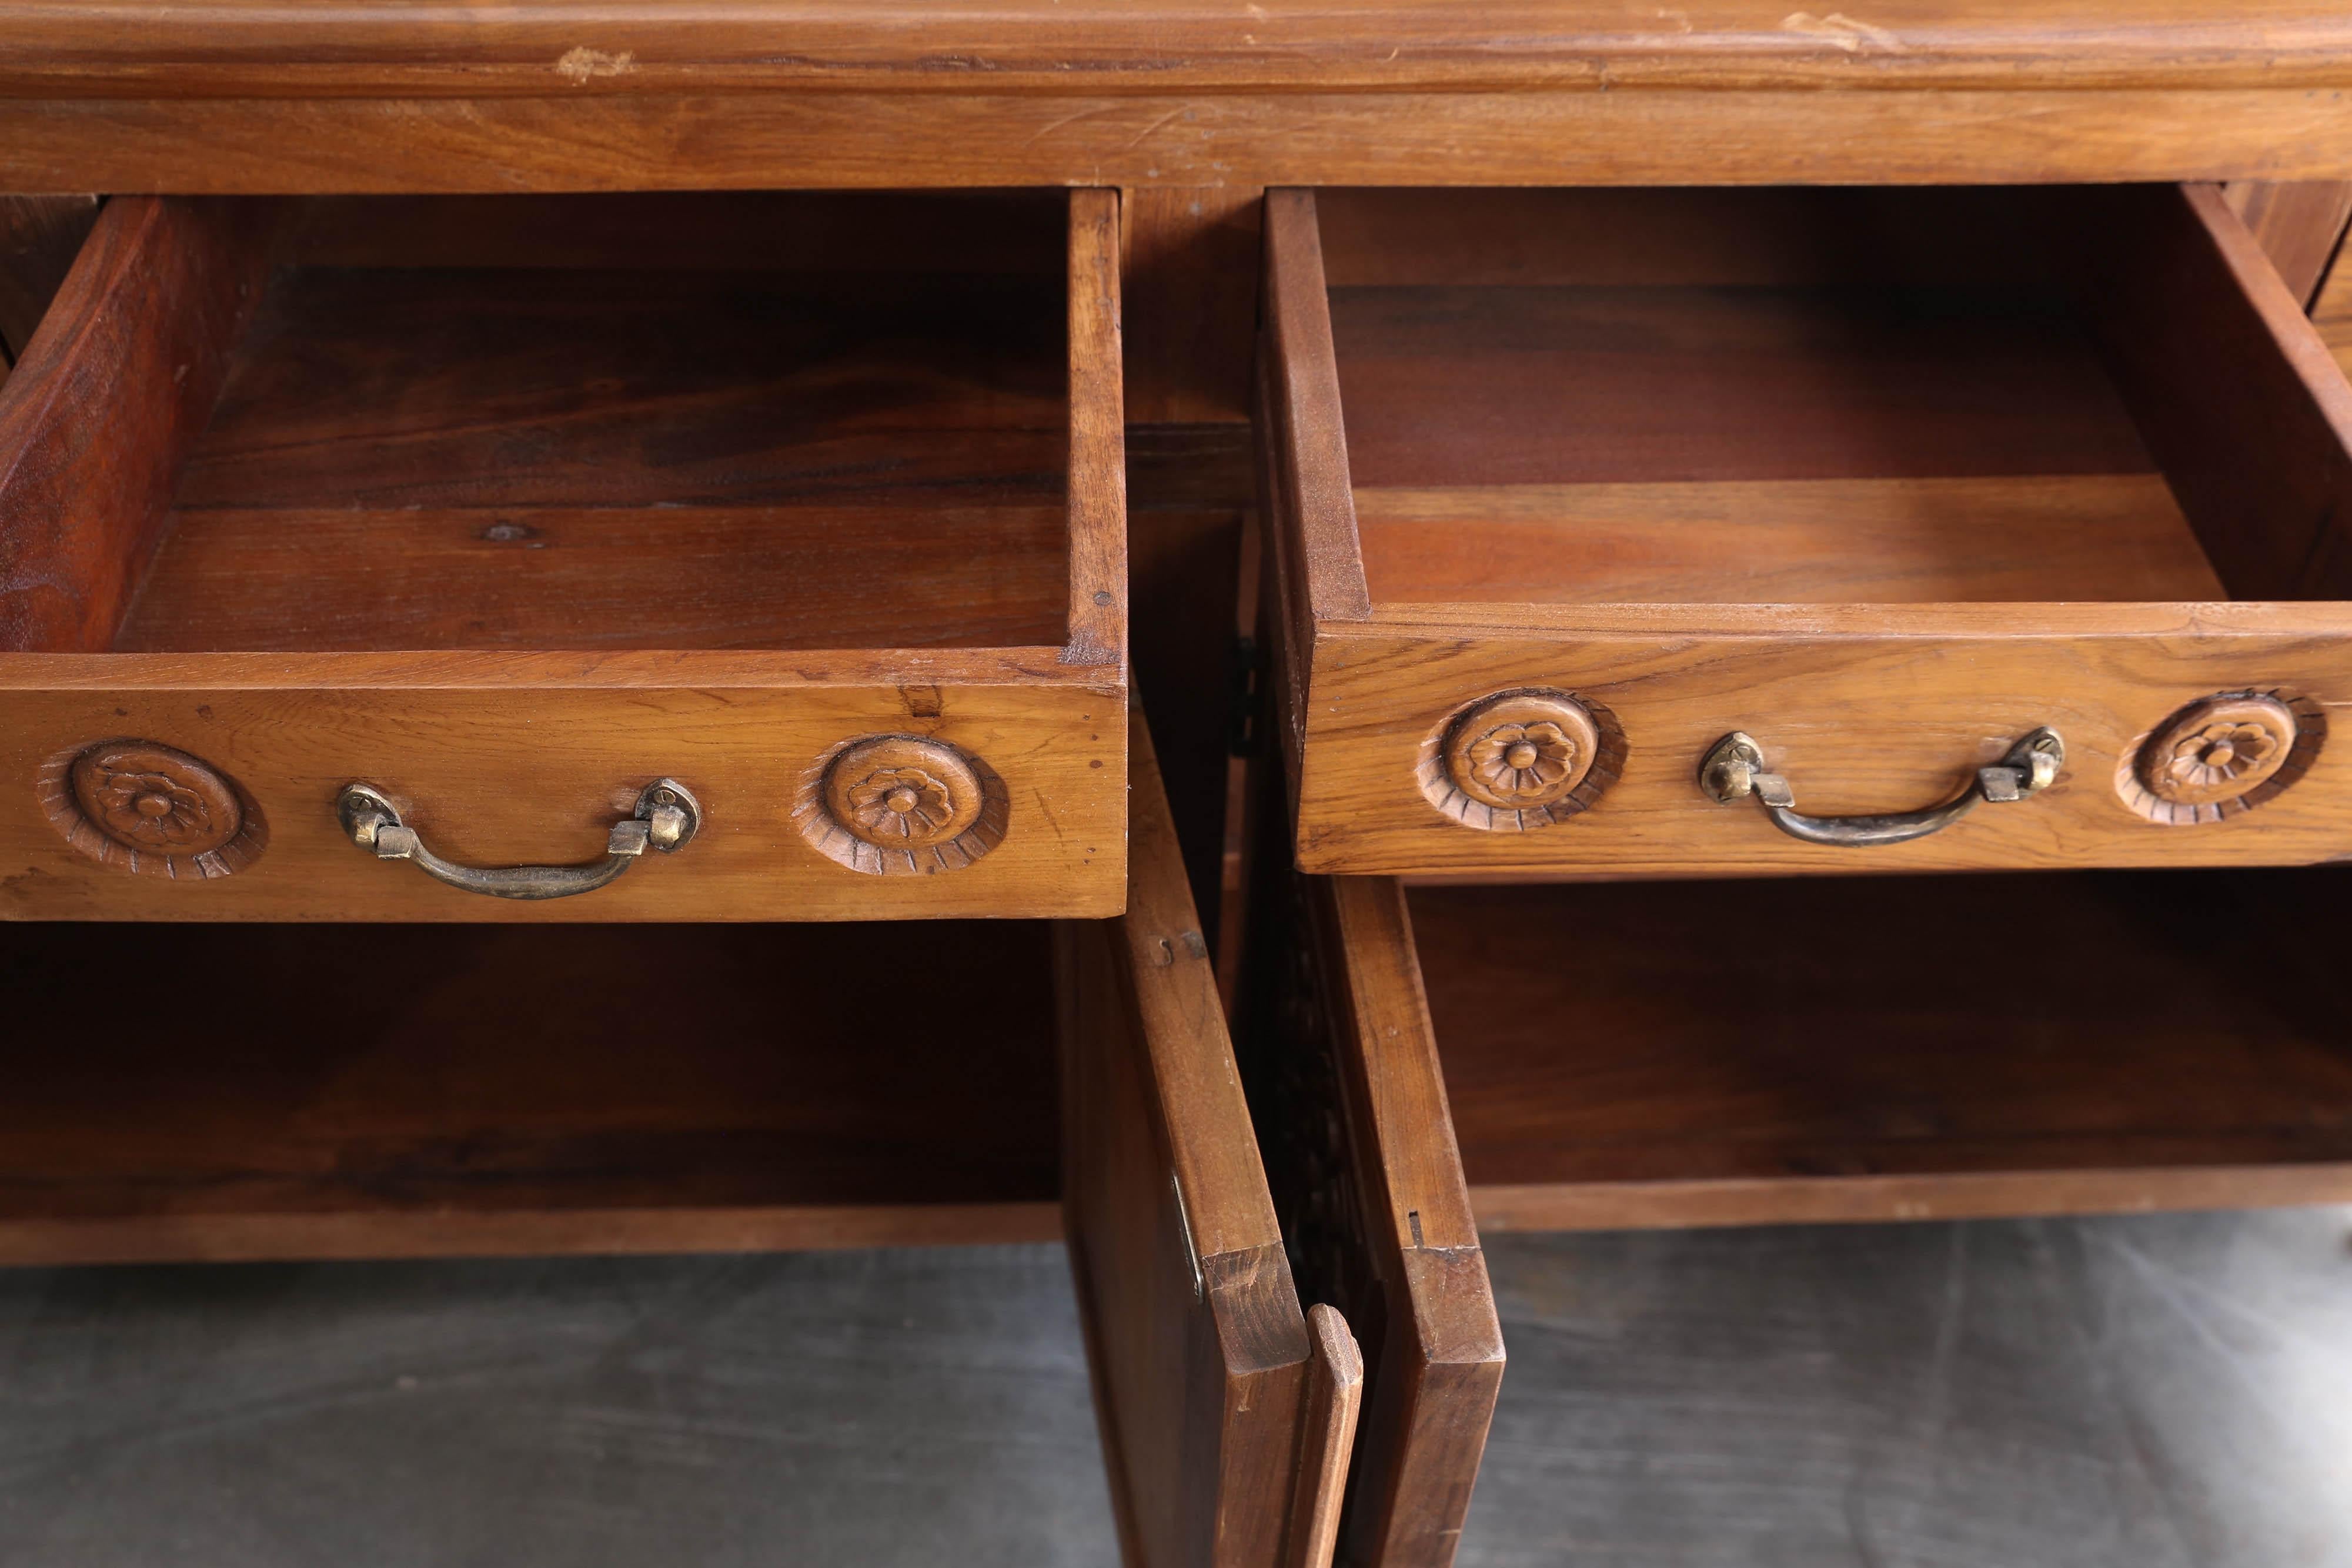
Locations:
(1685, 1053)
(424, 1091)
(103, 404)
(1989, 539)
(1143, 130)
(506, 758)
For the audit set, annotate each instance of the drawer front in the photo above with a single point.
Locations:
(1863, 714)
(208, 788)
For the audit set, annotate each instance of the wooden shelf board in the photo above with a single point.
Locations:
(1879, 1048)
(232, 1091)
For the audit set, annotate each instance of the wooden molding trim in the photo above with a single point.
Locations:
(554, 49)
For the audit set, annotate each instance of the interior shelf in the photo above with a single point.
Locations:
(1869, 1047)
(226, 1091)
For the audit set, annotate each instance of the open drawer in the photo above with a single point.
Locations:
(1578, 1056)
(686, 1088)
(1738, 532)
(781, 533)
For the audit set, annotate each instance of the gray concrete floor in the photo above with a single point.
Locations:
(2140, 1393)
(2156, 1392)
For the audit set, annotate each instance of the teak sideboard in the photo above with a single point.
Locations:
(580, 588)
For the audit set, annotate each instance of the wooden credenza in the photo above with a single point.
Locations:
(1607, 508)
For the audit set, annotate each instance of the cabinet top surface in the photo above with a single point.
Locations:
(336, 48)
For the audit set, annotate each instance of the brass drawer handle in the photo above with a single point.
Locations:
(667, 816)
(1733, 769)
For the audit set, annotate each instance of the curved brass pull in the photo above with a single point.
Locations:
(667, 816)
(1733, 769)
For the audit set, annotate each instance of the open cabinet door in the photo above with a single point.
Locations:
(1227, 1416)
(1343, 1073)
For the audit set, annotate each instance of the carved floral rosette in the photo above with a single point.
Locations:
(152, 810)
(901, 805)
(1521, 760)
(2220, 757)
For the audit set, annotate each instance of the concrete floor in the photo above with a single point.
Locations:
(2142, 1393)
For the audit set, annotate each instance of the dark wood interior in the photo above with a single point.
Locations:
(1728, 396)
(233, 1091)
(1883, 1047)
(734, 422)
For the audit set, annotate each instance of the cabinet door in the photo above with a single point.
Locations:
(1227, 1412)
(1343, 1072)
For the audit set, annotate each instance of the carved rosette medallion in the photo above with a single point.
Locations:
(1521, 760)
(151, 809)
(2224, 755)
(900, 804)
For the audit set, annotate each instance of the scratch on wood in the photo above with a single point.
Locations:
(1842, 30)
(579, 65)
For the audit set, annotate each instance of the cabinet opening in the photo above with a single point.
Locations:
(1635, 1054)
(762, 421)
(1815, 396)
(421, 1090)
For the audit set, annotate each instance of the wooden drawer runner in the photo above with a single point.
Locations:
(1572, 486)
(514, 508)
(448, 1090)
(1607, 1056)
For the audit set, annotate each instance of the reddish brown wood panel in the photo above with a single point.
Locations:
(1450, 386)
(1990, 539)
(1096, 488)
(2263, 461)
(1683, 1053)
(103, 405)
(1192, 284)
(419, 1090)
(2300, 224)
(485, 387)
(298, 579)
(1144, 130)
(39, 237)
(1200, 1352)
(2331, 314)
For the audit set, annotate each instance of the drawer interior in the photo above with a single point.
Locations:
(769, 421)
(1642, 1054)
(1796, 396)
(384, 1091)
